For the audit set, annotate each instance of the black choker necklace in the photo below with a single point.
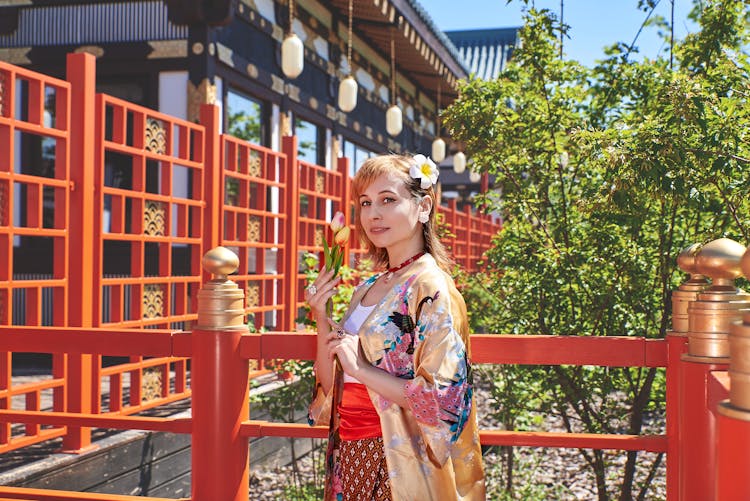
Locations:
(391, 271)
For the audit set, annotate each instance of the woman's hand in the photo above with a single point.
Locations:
(319, 292)
(346, 348)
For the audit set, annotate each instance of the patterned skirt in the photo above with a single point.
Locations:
(364, 473)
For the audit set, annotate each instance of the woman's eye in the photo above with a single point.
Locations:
(365, 203)
(388, 200)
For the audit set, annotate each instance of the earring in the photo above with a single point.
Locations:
(424, 217)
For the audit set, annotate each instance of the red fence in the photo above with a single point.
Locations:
(124, 201)
(89, 177)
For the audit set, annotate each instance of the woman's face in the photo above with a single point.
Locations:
(390, 215)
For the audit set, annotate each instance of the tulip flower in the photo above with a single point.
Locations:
(334, 253)
(338, 222)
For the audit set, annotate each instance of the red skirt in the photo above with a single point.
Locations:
(358, 417)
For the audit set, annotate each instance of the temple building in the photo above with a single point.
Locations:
(173, 55)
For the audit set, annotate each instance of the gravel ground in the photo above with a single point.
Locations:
(540, 474)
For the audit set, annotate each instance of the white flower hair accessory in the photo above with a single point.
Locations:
(425, 170)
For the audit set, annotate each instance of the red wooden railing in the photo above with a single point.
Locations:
(127, 196)
(267, 206)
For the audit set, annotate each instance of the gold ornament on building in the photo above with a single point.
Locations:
(318, 238)
(320, 182)
(252, 295)
(153, 301)
(156, 138)
(154, 219)
(253, 164)
(204, 93)
(717, 307)
(688, 291)
(220, 301)
(253, 229)
(94, 50)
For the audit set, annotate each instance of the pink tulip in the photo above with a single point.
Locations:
(338, 222)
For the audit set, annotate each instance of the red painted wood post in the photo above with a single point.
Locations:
(697, 429)
(676, 347)
(346, 202)
(451, 220)
(733, 417)
(710, 318)
(220, 459)
(213, 221)
(291, 246)
(732, 453)
(468, 265)
(81, 73)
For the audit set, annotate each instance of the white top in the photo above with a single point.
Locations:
(351, 328)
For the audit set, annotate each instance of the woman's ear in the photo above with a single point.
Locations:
(425, 205)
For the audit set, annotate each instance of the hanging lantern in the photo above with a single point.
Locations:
(348, 94)
(292, 50)
(474, 177)
(438, 150)
(459, 162)
(292, 56)
(394, 121)
(348, 86)
(438, 145)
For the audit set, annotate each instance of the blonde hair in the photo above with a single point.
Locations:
(377, 166)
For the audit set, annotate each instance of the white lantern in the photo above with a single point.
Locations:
(394, 122)
(474, 177)
(348, 94)
(438, 150)
(292, 56)
(459, 162)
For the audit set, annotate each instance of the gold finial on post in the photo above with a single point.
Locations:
(688, 291)
(220, 301)
(717, 307)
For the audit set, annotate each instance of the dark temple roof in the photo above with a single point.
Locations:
(485, 52)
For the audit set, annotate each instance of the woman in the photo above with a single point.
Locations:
(404, 421)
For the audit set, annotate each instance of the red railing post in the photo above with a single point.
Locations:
(213, 223)
(291, 264)
(468, 264)
(732, 453)
(346, 202)
(733, 419)
(451, 221)
(220, 465)
(676, 347)
(81, 73)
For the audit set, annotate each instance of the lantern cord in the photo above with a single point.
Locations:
(393, 68)
(349, 46)
(291, 16)
(437, 118)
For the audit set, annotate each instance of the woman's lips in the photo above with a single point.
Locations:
(378, 230)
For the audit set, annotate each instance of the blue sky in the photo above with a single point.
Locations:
(593, 23)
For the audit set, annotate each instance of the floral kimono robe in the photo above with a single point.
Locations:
(418, 332)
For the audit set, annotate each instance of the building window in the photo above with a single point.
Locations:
(357, 154)
(246, 118)
(310, 141)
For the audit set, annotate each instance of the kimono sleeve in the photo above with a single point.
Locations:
(440, 395)
(319, 410)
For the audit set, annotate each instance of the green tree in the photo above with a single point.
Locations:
(606, 173)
